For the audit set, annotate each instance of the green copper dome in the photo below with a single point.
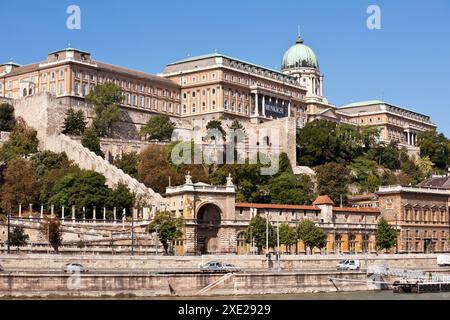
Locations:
(299, 56)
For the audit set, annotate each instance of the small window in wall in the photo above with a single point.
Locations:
(184, 108)
(389, 203)
(193, 108)
(155, 105)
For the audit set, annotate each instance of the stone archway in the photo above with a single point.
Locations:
(209, 218)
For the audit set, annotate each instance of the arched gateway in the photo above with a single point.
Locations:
(209, 218)
(208, 212)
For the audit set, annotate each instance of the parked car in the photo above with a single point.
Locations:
(218, 266)
(443, 260)
(348, 265)
(74, 268)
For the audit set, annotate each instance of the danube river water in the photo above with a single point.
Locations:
(358, 295)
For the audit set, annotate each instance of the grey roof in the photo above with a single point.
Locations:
(436, 182)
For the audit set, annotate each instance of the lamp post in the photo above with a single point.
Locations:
(132, 234)
(9, 229)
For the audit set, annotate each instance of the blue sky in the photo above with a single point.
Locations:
(406, 63)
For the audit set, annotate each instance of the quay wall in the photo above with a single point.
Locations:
(153, 285)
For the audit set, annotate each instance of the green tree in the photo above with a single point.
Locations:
(51, 230)
(158, 127)
(386, 236)
(311, 235)
(291, 189)
(91, 141)
(20, 185)
(333, 180)
(365, 174)
(256, 232)
(21, 143)
(18, 237)
(121, 198)
(106, 99)
(435, 146)
(83, 188)
(74, 122)
(7, 121)
(167, 227)
(46, 161)
(288, 236)
(128, 163)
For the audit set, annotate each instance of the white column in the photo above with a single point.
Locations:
(409, 138)
(94, 214)
(52, 211)
(73, 213)
(104, 214)
(42, 212)
(256, 105)
(62, 213)
(20, 210)
(84, 214)
(264, 106)
(115, 214)
(289, 108)
(31, 211)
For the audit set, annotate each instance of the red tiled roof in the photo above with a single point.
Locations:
(323, 200)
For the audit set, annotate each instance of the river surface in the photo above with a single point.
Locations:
(356, 295)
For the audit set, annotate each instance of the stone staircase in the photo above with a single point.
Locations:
(88, 160)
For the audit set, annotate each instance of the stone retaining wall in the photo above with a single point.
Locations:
(176, 285)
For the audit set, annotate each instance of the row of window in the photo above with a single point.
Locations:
(193, 94)
(203, 77)
(426, 234)
(127, 85)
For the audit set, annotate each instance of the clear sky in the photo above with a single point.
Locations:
(406, 62)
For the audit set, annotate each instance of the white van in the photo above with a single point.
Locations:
(443, 260)
(348, 265)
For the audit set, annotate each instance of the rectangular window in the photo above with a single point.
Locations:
(155, 105)
(164, 106)
(134, 100)
(141, 101)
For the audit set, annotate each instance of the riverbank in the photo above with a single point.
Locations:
(177, 285)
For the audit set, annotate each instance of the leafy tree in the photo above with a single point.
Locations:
(158, 127)
(389, 155)
(7, 121)
(288, 235)
(436, 147)
(20, 184)
(284, 163)
(386, 236)
(106, 99)
(51, 229)
(217, 124)
(18, 237)
(311, 235)
(46, 161)
(322, 141)
(128, 163)
(121, 198)
(333, 180)
(417, 169)
(83, 188)
(256, 231)
(167, 227)
(365, 173)
(154, 170)
(22, 142)
(50, 178)
(291, 189)
(317, 143)
(74, 122)
(91, 141)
